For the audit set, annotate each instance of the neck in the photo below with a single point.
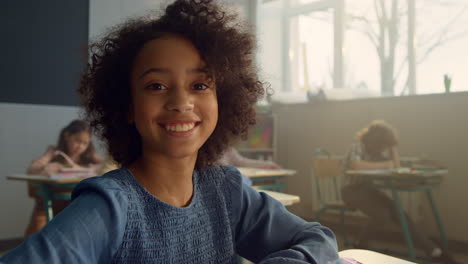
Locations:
(170, 180)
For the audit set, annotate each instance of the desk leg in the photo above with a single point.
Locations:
(47, 202)
(404, 225)
(440, 226)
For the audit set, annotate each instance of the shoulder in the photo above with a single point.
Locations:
(109, 184)
(221, 175)
(356, 146)
(226, 179)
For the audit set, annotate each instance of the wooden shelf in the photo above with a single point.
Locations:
(262, 138)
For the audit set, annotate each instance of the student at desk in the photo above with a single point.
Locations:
(232, 157)
(376, 148)
(74, 150)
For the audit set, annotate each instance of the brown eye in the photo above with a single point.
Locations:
(156, 87)
(200, 86)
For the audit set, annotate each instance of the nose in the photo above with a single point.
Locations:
(179, 100)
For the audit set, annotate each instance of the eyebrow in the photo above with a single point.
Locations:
(166, 71)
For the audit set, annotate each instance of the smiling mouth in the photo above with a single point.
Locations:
(180, 127)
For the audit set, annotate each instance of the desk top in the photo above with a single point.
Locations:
(44, 179)
(399, 173)
(248, 172)
(285, 199)
(258, 173)
(368, 257)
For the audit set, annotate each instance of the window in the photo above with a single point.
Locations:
(443, 45)
(363, 48)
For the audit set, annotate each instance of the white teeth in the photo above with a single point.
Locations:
(180, 127)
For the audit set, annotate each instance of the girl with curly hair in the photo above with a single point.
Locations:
(169, 95)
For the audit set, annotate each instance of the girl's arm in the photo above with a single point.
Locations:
(38, 165)
(266, 232)
(89, 230)
(68, 159)
(355, 160)
(371, 165)
(233, 157)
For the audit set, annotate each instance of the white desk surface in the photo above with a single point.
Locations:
(284, 198)
(371, 257)
(401, 172)
(258, 173)
(43, 178)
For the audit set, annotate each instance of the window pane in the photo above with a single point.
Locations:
(301, 2)
(442, 41)
(269, 19)
(311, 51)
(376, 52)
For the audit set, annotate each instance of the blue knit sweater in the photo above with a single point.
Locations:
(113, 219)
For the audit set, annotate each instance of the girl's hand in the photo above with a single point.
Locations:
(52, 168)
(272, 166)
(67, 159)
(49, 153)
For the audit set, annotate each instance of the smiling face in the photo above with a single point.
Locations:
(174, 104)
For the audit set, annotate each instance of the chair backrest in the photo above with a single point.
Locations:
(327, 167)
(327, 171)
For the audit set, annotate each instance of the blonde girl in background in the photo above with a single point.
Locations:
(74, 150)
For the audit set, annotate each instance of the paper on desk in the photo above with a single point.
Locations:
(73, 173)
(351, 261)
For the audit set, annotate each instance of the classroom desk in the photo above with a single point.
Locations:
(404, 179)
(367, 256)
(261, 175)
(46, 184)
(284, 198)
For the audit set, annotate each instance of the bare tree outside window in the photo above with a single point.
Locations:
(384, 23)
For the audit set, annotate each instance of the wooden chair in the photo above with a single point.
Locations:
(328, 173)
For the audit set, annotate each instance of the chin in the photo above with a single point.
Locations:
(182, 155)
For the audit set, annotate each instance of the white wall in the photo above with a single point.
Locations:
(25, 132)
(104, 14)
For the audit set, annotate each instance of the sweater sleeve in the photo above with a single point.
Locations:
(89, 230)
(266, 232)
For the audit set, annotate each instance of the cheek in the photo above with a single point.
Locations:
(71, 146)
(212, 108)
(144, 110)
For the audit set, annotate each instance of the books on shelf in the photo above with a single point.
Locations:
(73, 173)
